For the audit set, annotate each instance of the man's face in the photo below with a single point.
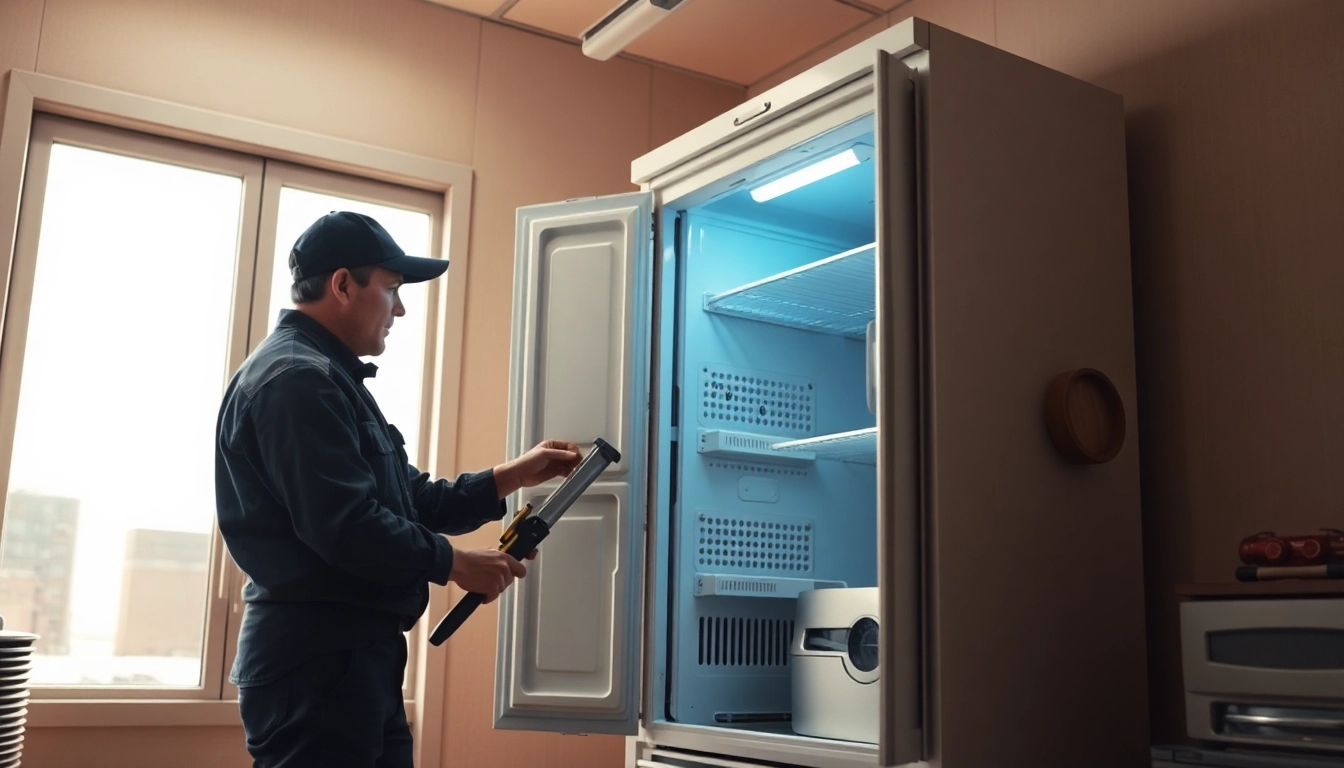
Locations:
(371, 311)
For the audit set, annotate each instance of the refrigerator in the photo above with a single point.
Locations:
(822, 335)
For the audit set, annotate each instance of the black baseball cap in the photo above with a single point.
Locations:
(345, 239)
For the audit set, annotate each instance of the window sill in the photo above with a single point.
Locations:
(138, 713)
(130, 713)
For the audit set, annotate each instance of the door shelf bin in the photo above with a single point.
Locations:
(835, 295)
(732, 585)
(858, 446)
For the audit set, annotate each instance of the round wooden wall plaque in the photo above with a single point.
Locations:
(1085, 416)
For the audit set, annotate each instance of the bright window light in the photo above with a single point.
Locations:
(804, 176)
(115, 580)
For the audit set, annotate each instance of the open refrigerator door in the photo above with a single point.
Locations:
(569, 634)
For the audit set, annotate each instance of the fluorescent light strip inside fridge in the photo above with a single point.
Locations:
(804, 176)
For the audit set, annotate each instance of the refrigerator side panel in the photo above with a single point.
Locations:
(569, 634)
(1036, 562)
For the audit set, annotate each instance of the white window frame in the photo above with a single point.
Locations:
(30, 93)
(48, 131)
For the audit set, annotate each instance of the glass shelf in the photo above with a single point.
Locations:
(859, 446)
(835, 295)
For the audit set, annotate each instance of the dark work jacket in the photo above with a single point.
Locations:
(320, 507)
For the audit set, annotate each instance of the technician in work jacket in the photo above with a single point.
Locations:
(335, 529)
(337, 532)
(342, 566)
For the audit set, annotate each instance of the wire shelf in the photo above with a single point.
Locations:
(835, 295)
(859, 446)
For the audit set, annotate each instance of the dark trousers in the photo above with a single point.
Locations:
(341, 709)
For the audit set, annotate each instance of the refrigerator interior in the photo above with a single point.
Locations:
(772, 479)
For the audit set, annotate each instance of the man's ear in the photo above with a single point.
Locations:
(339, 284)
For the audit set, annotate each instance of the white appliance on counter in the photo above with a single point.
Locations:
(712, 327)
(1265, 672)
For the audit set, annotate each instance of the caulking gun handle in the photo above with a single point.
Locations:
(528, 534)
(454, 618)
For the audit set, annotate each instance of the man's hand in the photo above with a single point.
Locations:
(485, 571)
(548, 460)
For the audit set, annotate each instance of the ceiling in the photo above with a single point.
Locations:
(739, 41)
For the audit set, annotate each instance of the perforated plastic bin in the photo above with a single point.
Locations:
(835, 664)
(16, 661)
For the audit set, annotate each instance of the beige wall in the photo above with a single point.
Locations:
(536, 120)
(1234, 119)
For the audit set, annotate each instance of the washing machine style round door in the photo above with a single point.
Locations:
(861, 659)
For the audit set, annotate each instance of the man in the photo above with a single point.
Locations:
(337, 532)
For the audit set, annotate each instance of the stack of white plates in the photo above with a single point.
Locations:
(16, 661)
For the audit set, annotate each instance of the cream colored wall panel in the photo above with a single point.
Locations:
(399, 74)
(741, 41)
(972, 18)
(682, 102)
(553, 125)
(806, 62)
(20, 26)
(570, 17)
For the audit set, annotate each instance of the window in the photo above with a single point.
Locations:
(141, 270)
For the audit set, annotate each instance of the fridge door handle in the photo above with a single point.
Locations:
(748, 117)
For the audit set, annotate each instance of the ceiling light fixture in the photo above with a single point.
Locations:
(623, 25)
